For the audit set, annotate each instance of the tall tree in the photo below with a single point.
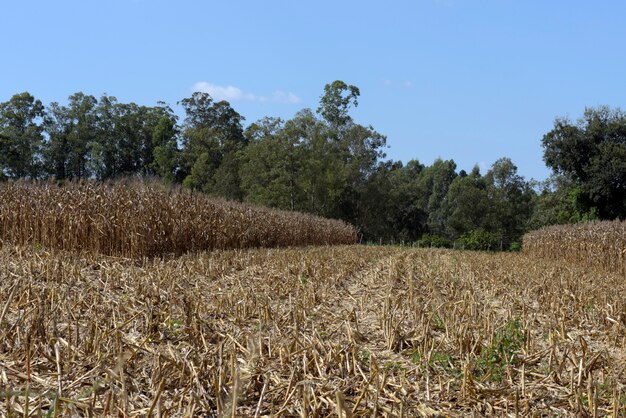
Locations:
(336, 102)
(342, 153)
(82, 136)
(58, 125)
(212, 134)
(555, 203)
(131, 138)
(21, 136)
(512, 200)
(388, 205)
(317, 165)
(128, 136)
(317, 180)
(435, 182)
(468, 204)
(592, 154)
(104, 155)
(272, 165)
(159, 131)
(165, 152)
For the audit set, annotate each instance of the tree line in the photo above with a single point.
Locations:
(321, 162)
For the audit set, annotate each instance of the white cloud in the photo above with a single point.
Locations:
(405, 84)
(285, 97)
(230, 93)
(234, 94)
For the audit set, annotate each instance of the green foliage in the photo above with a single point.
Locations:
(439, 361)
(392, 366)
(415, 355)
(310, 164)
(166, 161)
(323, 163)
(212, 134)
(364, 356)
(435, 181)
(20, 136)
(591, 153)
(502, 352)
(443, 361)
(388, 204)
(173, 327)
(553, 204)
(515, 246)
(434, 241)
(106, 139)
(479, 240)
(336, 101)
(226, 181)
(469, 203)
(511, 200)
(271, 166)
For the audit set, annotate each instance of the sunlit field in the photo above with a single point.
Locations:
(315, 331)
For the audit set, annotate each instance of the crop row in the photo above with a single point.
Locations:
(144, 220)
(596, 245)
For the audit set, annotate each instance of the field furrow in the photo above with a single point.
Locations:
(317, 331)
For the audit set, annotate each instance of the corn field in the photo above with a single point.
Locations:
(347, 331)
(597, 245)
(137, 220)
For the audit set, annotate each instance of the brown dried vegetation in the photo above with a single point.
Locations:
(597, 244)
(137, 220)
(310, 332)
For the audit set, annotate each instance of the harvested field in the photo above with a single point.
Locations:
(310, 332)
(596, 244)
(146, 219)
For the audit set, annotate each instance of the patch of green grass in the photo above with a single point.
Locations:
(364, 356)
(416, 356)
(439, 361)
(442, 361)
(607, 390)
(590, 307)
(53, 406)
(173, 327)
(393, 366)
(502, 352)
(438, 324)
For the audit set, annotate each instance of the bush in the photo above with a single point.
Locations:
(435, 241)
(515, 246)
(502, 352)
(479, 240)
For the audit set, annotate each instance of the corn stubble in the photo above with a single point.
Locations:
(348, 331)
(145, 220)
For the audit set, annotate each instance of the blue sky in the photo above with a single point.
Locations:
(471, 80)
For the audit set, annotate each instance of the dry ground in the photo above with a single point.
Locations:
(321, 331)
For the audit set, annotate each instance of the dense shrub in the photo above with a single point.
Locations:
(434, 241)
(479, 240)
